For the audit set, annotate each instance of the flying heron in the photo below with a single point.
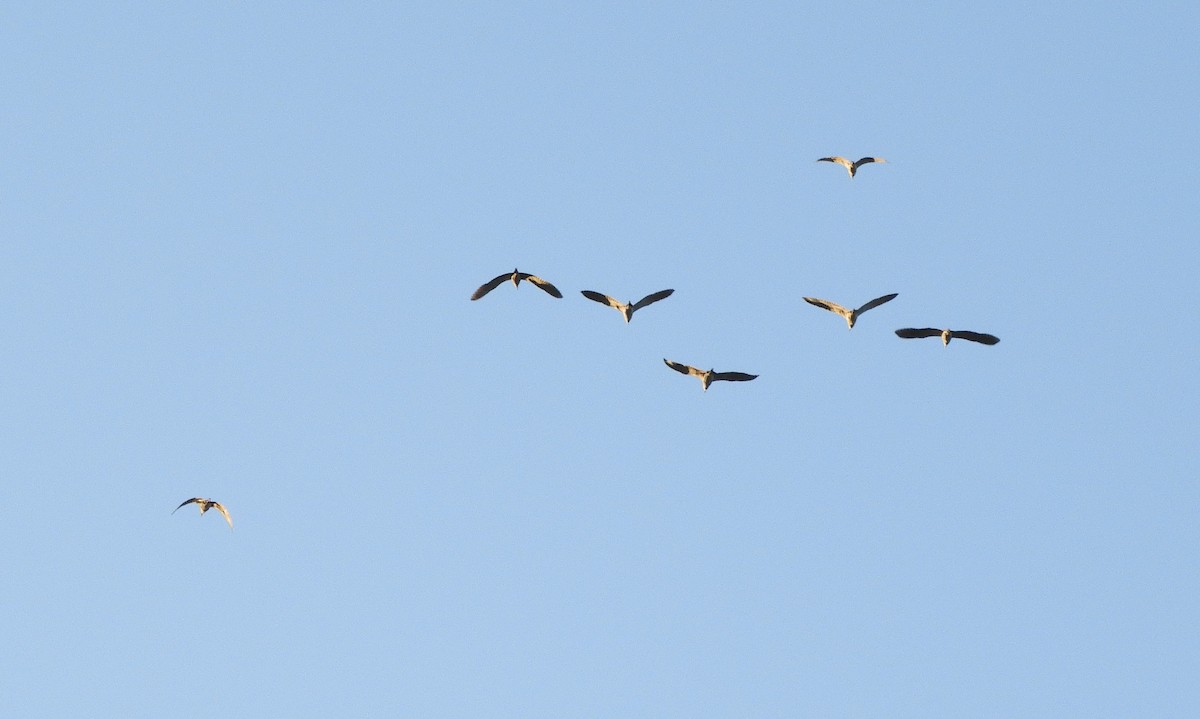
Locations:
(627, 310)
(851, 167)
(851, 316)
(205, 505)
(910, 333)
(516, 276)
(707, 377)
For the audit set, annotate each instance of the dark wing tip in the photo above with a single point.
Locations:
(980, 337)
(910, 333)
(678, 366)
(489, 286)
(542, 284)
(878, 301)
(652, 298)
(597, 297)
(827, 305)
(734, 376)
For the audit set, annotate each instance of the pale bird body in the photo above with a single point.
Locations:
(205, 505)
(707, 377)
(851, 167)
(910, 333)
(516, 276)
(851, 316)
(627, 309)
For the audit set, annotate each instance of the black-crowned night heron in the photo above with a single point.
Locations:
(707, 377)
(851, 316)
(516, 277)
(851, 167)
(911, 333)
(205, 505)
(625, 309)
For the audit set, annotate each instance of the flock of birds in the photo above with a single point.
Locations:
(706, 377)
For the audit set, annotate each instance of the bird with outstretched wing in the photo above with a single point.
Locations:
(626, 309)
(910, 333)
(851, 167)
(707, 377)
(205, 505)
(516, 276)
(851, 316)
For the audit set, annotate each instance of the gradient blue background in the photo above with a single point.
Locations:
(238, 242)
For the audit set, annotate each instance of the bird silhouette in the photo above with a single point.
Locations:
(851, 167)
(205, 505)
(707, 377)
(910, 333)
(516, 276)
(626, 310)
(851, 316)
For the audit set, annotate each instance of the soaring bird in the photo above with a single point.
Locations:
(709, 376)
(516, 276)
(850, 315)
(910, 333)
(851, 167)
(205, 505)
(627, 309)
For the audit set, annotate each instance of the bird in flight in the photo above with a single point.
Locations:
(516, 277)
(707, 377)
(910, 333)
(627, 310)
(851, 316)
(205, 505)
(851, 167)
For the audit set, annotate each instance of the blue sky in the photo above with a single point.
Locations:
(238, 245)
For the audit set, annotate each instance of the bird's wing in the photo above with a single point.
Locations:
(224, 512)
(542, 284)
(827, 305)
(838, 159)
(193, 499)
(975, 337)
(651, 299)
(868, 160)
(490, 285)
(733, 376)
(602, 299)
(877, 301)
(910, 333)
(685, 369)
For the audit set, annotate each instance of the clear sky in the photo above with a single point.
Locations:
(238, 241)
